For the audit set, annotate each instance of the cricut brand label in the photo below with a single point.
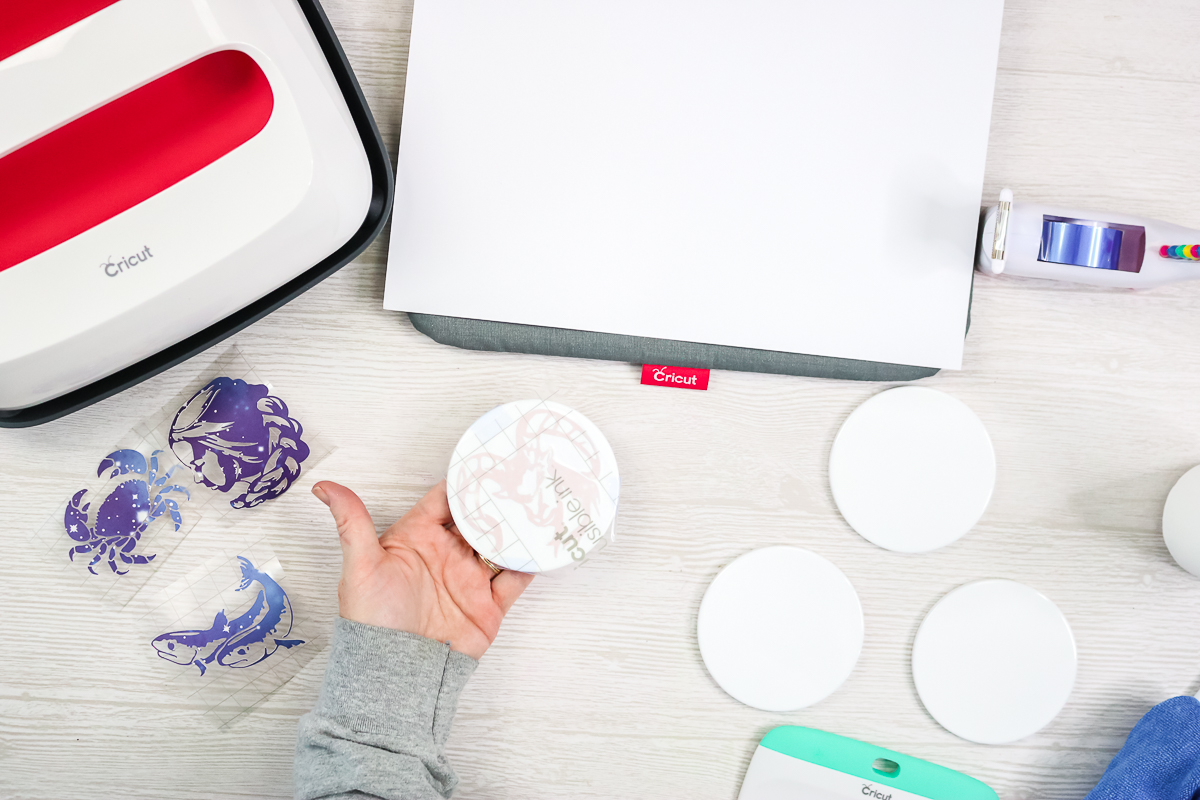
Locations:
(115, 266)
(533, 487)
(775, 776)
(678, 377)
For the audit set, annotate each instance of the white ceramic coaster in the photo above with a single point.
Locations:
(912, 469)
(780, 628)
(1181, 521)
(533, 487)
(994, 661)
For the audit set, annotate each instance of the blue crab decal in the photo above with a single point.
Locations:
(241, 642)
(239, 439)
(114, 528)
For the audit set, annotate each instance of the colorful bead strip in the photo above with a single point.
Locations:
(1182, 252)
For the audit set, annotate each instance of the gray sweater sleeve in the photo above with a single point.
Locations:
(382, 717)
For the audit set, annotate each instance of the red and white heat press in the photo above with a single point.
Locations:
(170, 171)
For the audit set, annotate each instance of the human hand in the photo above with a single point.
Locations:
(420, 576)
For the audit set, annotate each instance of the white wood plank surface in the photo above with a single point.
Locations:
(595, 688)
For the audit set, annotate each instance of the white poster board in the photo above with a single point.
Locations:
(788, 175)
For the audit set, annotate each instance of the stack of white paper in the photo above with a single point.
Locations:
(786, 175)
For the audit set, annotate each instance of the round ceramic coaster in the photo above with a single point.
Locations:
(533, 486)
(780, 628)
(994, 661)
(1181, 521)
(912, 469)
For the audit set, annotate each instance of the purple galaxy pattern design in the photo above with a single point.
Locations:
(113, 527)
(240, 642)
(240, 440)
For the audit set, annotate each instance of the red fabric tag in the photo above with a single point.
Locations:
(678, 377)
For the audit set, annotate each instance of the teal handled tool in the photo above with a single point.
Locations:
(793, 762)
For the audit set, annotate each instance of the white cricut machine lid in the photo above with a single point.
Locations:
(175, 169)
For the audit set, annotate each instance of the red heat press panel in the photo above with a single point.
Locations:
(128, 150)
(24, 23)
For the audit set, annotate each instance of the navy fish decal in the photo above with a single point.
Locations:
(241, 642)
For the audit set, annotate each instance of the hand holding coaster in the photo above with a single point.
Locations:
(533, 487)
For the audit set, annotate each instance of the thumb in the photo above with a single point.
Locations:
(355, 527)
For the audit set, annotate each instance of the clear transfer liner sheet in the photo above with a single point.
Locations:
(226, 444)
(122, 522)
(229, 634)
(235, 437)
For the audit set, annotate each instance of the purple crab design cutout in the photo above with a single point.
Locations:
(240, 642)
(114, 527)
(239, 440)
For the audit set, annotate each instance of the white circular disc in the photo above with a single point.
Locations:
(912, 469)
(780, 628)
(994, 661)
(533, 487)
(1181, 521)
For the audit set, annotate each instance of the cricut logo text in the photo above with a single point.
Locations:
(113, 268)
(871, 791)
(678, 377)
(661, 375)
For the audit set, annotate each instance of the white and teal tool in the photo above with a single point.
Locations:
(793, 762)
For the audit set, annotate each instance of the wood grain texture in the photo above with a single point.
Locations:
(595, 688)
